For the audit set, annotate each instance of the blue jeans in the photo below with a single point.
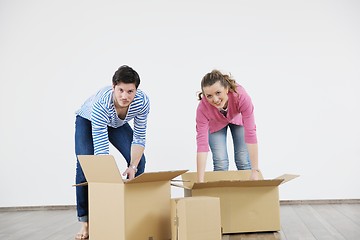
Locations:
(217, 142)
(120, 137)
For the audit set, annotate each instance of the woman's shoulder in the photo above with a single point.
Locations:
(203, 106)
(202, 102)
(239, 88)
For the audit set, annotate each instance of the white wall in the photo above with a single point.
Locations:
(299, 60)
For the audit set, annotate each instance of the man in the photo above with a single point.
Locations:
(104, 118)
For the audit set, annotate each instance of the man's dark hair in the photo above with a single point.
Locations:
(126, 74)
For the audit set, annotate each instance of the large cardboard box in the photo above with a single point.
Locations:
(196, 218)
(127, 210)
(246, 205)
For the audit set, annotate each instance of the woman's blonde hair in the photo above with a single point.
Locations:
(214, 76)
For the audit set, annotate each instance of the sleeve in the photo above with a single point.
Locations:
(246, 109)
(99, 120)
(140, 123)
(202, 130)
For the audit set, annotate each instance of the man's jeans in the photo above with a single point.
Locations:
(121, 138)
(217, 142)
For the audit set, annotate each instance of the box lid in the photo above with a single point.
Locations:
(100, 168)
(211, 176)
(156, 176)
(231, 179)
(287, 177)
(103, 168)
(238, 183)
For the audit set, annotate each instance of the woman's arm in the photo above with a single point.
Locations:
(202, 141)
(246, 109)
(253, 154)
(201, 158)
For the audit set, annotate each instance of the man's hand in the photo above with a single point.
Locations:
(130, 173)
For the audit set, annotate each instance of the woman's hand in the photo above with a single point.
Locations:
(200, 179)
(254, 174)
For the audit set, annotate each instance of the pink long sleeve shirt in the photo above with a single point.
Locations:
(240, 112)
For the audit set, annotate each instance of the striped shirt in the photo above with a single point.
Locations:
(100, 110)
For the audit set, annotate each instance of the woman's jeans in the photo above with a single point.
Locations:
(217, 142)
(121, 138)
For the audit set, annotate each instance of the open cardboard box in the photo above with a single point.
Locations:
(127, 210)
(196, 218)
(246, 205)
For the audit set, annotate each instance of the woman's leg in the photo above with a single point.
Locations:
(217, 142)
(83, 146)
(241, 154)
(122, 138)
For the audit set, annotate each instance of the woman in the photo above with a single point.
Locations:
(225, 104)
(104, 118)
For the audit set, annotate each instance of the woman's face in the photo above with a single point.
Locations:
(124, 94)
(216, 95)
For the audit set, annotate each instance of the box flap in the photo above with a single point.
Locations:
(180, 186)
(214, 176)
(156, 176)
(236, 183)
(100, 168)
(287, 177)
(80, 184)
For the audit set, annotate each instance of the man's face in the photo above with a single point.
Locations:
(124, 94)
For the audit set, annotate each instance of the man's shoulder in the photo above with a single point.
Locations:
(141, 93)
(141, 97)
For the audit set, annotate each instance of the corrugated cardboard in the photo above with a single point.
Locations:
(246, 206)
(196, 218)
(127, 210)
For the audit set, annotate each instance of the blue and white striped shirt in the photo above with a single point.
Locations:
(100, 110)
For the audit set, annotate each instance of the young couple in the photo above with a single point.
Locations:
(104, 117)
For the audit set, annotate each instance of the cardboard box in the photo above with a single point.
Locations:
(246, 206)
(196, 218)
(127, 210)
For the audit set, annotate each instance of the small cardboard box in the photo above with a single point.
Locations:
(127, 210)
(196, 218)
(246, 205)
